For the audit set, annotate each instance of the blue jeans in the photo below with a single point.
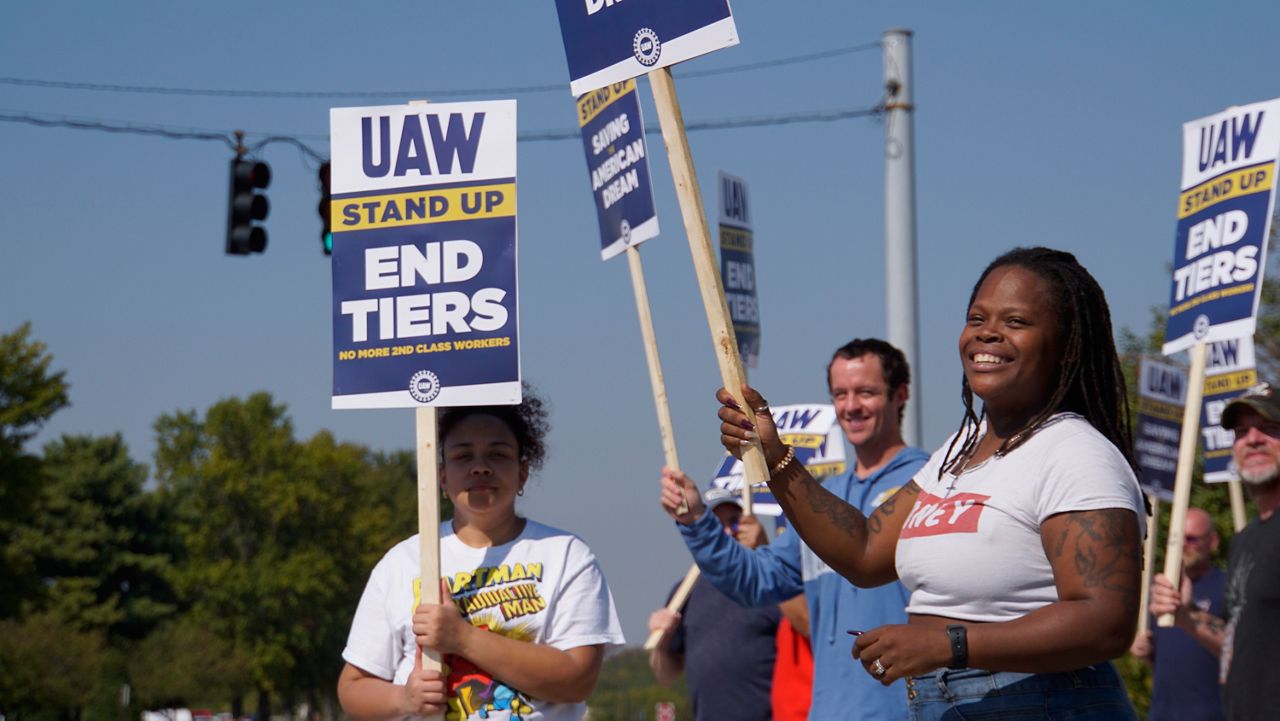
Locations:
(1095, 692)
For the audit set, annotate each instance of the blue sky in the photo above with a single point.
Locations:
(1055, 125)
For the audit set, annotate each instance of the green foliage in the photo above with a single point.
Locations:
(278, 537)
(185, 665)
(29, 395)
(45, 665)
(627, 690)
(93, 540)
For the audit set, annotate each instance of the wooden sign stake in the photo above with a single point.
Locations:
(428, 521)
(1182, 479)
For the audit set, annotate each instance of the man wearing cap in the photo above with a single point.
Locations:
(726, 650)
(868, 380)
(1251, 640)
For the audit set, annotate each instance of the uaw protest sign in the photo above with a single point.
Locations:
(1162, 395)
(1230, 371)
(1224, 216)
(424, 255)
(618, 161)
(738, 265)
(810, 429)
(608, 41)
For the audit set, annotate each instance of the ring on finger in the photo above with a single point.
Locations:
(761, 409)
(877, 669)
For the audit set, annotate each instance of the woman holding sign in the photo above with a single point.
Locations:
(1020, 540)
(526, 614)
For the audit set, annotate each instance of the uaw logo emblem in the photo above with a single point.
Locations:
(625, 228)
(424, 386)
(646, 47)
(1201, 327)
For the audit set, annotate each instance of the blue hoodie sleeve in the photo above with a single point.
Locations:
(768, 574)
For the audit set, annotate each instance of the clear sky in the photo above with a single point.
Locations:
(1036, 124)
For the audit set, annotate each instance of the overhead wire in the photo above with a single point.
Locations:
(443, 93)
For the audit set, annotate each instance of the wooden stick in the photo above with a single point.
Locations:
(675, 604)
(656, 380)
(1182, 479)
(1238, 516)
(1148, 564)
(704, 264)
(428, 522)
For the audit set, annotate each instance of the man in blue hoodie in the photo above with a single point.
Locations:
(868, 380)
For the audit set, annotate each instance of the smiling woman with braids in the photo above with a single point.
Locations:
(1020, 540)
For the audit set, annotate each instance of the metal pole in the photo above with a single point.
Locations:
(900, 215)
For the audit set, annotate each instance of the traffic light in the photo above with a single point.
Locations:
(245, 205)
(326, 231)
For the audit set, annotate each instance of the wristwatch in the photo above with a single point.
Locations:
(959, 639)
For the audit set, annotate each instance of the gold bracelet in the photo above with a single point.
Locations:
(786, 460)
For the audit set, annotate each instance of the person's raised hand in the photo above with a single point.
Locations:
(750, 533)
(1164, 599)
(678, 491)
(424, 691)
(741, 427)
(441, 627)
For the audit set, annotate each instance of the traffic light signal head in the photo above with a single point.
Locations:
(245, 205)
(326, 231)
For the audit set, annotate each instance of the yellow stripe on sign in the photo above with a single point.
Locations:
(1158, 409)
(737, 239)
(424, 206)
(593, 103)
(803, 440)
(1246, 181)
(1230, 382)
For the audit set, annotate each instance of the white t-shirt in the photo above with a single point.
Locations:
(971, 547)
(543, 587)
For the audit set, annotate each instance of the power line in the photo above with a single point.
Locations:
(448, 93)
(821, 116)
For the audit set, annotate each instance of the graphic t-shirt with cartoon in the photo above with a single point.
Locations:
(543, 587)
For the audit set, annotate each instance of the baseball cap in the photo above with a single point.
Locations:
(1261, 398)
(717, 496)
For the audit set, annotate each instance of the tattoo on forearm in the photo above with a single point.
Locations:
(1103, 549)
(909, 492)
(844, 517)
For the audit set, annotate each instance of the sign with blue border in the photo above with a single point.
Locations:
(425, 305)
(1224, 216)
(618, 162)
(1162, 396)
(608, 41)
(1230, 371)
(738, 265)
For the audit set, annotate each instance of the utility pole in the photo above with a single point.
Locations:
(900, 215)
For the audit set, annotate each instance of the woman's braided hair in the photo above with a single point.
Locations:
(1090, 380)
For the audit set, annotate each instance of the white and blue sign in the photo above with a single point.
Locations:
(1162, 396)
(1224, 216)
(608, 41)
(1230, 372)
(618, 161)
(809, 428)
(424, 255)
(738, 265)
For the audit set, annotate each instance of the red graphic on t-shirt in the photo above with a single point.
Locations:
(933, 515)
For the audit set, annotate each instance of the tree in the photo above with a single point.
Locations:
(47, 666)
(278, 537)
(29, 395)
(95, 541)
(183, 664)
